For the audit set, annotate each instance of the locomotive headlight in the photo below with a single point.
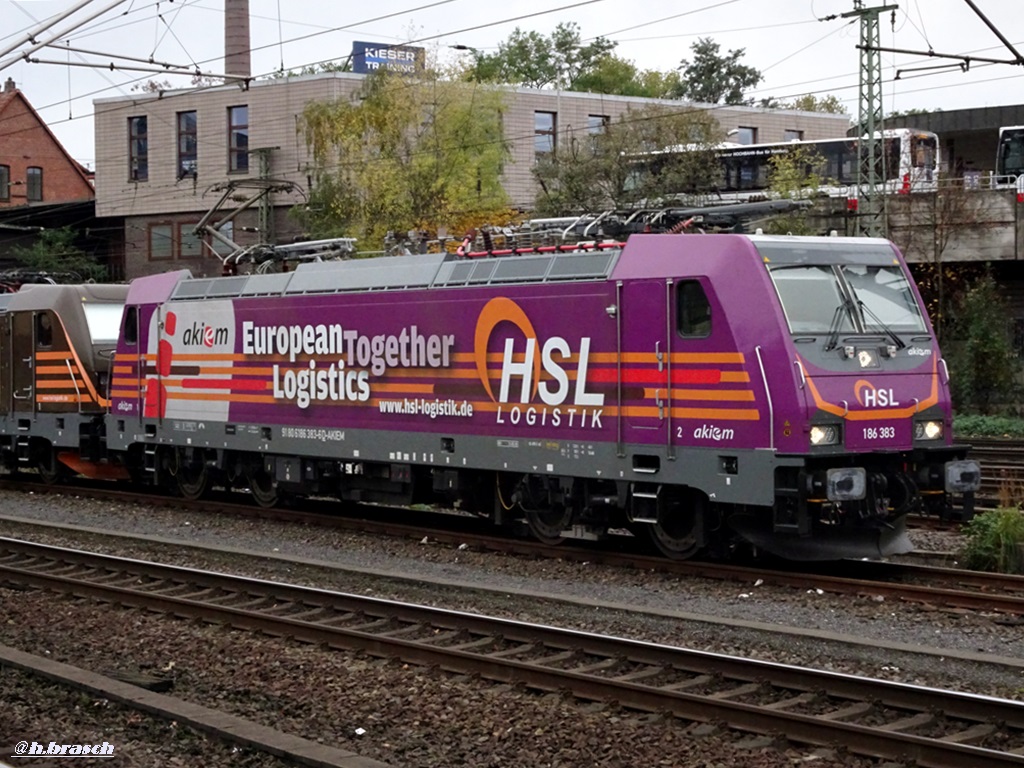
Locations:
(825, 434)
(927, 430)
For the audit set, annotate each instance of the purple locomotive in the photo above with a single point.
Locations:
(707, 391)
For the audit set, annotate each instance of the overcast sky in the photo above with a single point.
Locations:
(790, 42)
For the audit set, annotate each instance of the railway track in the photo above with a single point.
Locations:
(870, 717)
(1002, 471)
(905, 582)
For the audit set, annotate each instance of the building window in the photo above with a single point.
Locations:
(791, 135)
(188, 145)
(138, 149)
(190, 245)
(238, 139)
(34, 184)
(746, 135)
(161, 242)
(5, 182)
(176, 240)
(545, 126)
(221, 249)
(596, 126)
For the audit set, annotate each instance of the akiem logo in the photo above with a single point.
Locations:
(201, 334)
(562, 402)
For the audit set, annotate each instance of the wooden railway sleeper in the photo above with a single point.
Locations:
(858, 709)
(472, 645)
(793, 701)
(556, 658)
(910, 722)
(638, 675)
(693, 682)
(81, 571)
(971, 735)
(312, 615)
(410, 629)
(514, 651)
(369, 626)
(738, 692)
(599, 666)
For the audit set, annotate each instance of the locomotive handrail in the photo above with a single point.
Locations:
(800, 368)
(619, 447)
(768, 397)
(78, 392)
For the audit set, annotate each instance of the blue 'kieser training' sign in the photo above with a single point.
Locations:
(367, 57)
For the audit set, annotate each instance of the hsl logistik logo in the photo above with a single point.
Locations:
(870, 396)
(523, 398)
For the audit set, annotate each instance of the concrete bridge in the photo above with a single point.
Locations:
(954, 224)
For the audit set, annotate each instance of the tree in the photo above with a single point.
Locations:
(808, 103)
(410, 153)
(628, 164)
(927, 225)
(55, 255)
(531, 60)
(313, 69)
(982, 365)
(795, 175)
(620, 77)
(713, 79)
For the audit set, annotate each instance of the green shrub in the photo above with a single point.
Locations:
(977, 425)
(995, 542)
(979, 351)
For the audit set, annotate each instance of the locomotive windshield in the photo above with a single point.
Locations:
(104, 321)
(847, 298)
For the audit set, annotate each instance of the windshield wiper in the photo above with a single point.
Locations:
(896, 340)
(846, 307)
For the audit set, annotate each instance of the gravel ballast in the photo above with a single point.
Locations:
(254, 675)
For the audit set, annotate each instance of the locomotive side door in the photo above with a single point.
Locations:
(131, 340)
(22, 357)
(646, 361)
(6, 367)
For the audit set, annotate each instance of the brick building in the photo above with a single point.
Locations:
(42, 187)
(34, 168)
(159, 155)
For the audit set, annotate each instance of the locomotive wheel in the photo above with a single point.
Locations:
(51, 469)
(261, 486)
(547, 525)
(193, 478)
(678, 534)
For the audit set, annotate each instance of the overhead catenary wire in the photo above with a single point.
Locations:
(793, 93)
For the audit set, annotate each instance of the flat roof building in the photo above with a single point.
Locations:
(159, 154)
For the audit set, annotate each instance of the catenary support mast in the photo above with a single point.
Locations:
(871, 198)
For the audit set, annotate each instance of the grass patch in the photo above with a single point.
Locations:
(995, 542)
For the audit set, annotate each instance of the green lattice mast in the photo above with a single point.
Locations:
(870, 194)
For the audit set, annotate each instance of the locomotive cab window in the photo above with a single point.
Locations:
(44, 330)
(693, 310)
(885, 298)
(131, 326)
(847, 298)
(104, 321)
